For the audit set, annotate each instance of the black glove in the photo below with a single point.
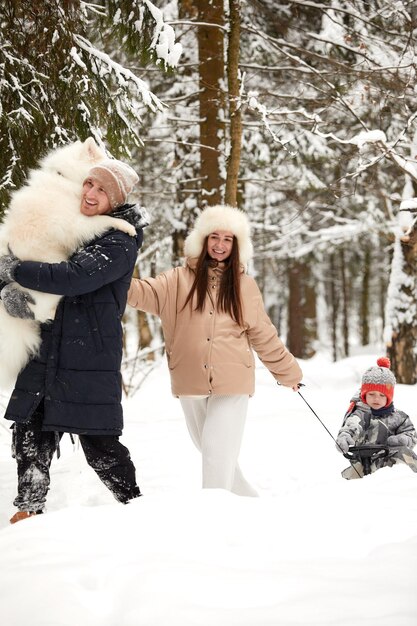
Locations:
(16, 301)
(8, 264)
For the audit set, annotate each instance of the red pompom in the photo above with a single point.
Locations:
(384, 361)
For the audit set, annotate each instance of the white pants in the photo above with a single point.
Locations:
(216, 425)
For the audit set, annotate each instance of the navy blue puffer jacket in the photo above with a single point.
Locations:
(77, 371)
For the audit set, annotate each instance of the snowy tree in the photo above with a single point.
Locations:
(326, 107)
(401, 307)
(59, 83)
(321, 79)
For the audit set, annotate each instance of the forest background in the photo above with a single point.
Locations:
(302, 113)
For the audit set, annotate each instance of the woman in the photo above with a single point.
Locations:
(212, 316)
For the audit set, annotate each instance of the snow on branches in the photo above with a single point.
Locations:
(164, 38)
(70, 70)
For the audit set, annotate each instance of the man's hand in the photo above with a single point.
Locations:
(8, 264)
(16, 302)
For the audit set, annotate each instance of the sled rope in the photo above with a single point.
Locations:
(325, 427)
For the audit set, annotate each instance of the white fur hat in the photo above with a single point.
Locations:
(117, 179)
(220, 217)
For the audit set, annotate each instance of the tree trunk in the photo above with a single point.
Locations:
(309, 312)
(235, 112)
(345, 300)
(402, 347)
(364, 307)
(211, 74)
(295, 318)
(334, 305)
(302, 318)
(382, 292)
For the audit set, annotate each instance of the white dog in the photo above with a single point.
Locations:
(44, 223)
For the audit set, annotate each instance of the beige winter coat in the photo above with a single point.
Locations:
(208, 353)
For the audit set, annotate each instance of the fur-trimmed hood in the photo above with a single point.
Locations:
(220, 217)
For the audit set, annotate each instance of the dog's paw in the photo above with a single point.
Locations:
(125, 227)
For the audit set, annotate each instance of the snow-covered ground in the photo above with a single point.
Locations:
(313, 549)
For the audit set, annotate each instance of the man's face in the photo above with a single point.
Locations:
(94, 200)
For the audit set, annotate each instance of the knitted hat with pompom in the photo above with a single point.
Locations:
(380, 379)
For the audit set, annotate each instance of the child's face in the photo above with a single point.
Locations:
(375, 399)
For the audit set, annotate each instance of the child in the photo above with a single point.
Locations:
(372, 419)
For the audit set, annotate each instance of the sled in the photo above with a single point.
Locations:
(366, 454)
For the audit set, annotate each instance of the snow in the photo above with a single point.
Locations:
(167, 49)
(164, 34)
(366, 137)
(400, 307)
(312, 549)
(409, 205)
(121, 74)
(332, 30)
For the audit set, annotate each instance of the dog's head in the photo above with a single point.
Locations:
(74, 160)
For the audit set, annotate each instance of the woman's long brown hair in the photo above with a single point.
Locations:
(229, 300)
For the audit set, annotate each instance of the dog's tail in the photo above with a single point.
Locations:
(19, 341)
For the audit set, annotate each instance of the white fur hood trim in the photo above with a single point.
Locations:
(220, 217)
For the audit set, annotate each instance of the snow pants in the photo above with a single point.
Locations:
(34, 449)
(401, 454)
(216, 425)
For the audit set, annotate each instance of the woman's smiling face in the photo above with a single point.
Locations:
(220, 244)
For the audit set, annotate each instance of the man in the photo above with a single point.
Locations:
(74, 384)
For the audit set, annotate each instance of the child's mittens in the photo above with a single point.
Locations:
(398, 440)
(343, 442)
